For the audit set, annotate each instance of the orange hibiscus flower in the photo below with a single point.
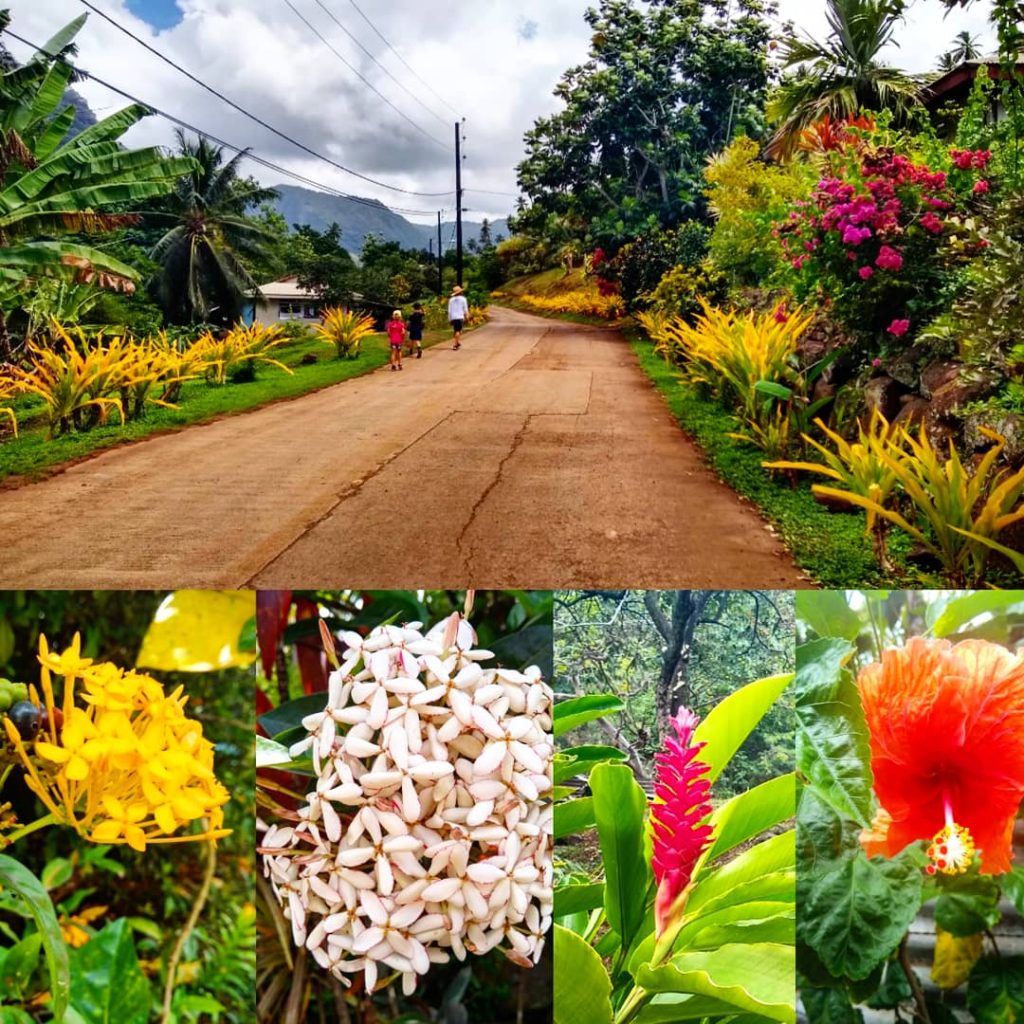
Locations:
(947, 750)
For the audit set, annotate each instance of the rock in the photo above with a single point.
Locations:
(904, 367)
(937, 375)
(913, 410)
(822, 389)
(883, 393)
(308, 359)
(966, 386)
(1008, 424)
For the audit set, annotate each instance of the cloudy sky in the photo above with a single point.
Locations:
(494, 62)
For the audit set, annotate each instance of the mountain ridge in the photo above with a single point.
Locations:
(360, 217)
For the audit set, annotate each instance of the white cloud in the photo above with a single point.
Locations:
(495, 62)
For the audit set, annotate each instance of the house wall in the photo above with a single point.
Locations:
(269, 311)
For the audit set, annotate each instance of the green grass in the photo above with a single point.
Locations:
(31, 454)
(830, 546)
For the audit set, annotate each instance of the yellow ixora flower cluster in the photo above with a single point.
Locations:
(126, 765)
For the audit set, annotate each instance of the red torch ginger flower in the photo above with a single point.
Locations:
(682, 794)
(947, 750)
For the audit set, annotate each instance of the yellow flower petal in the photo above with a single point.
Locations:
(136, 838)
(106, 832)
(52, 753)
(113, 807)
(165, 818)
(77, 769)
(137, 812)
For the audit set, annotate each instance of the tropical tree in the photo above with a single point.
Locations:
(666, 84)
(54, 189)
(843, 74)
(965, 47)
(202, 256)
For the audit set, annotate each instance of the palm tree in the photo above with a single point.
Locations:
(843, 74)
(203, 274)
(53, 188)
(965, 47)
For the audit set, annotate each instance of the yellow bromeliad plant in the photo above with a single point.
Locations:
(858, 468)
(580, 303)
(9, 388)
(345, 329)
(118, 760)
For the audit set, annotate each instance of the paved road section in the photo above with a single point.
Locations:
(539, 455)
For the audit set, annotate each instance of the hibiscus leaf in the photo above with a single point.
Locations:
(833, 753)
(827, 613)
(829, 1004)
(995, 990)
(855, 912)
(968, 904)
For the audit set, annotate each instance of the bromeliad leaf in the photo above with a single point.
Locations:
(18, 879)
(578, 710)
(588, 999)
(619, 810)
(754, 978)
(732, 720)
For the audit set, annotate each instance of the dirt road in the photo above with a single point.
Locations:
(537, 456)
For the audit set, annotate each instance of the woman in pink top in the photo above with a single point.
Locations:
(396, 336)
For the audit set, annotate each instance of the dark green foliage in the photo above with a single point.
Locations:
(642, 263)
(664, 86)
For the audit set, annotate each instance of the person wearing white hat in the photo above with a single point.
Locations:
(458, 311)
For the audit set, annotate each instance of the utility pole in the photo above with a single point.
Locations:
(458, 204)
(440, 258)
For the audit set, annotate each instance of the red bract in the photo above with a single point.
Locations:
(947, 750)
(682, 793)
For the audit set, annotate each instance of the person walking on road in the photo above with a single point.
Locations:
(396, 337)
(416, 320)
(458, 312)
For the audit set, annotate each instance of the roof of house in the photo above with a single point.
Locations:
(286, 288)
(964, 73)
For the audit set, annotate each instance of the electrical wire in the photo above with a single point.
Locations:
(248, 153)
(252, 117)
(401, 85)
(361, 78)
(408, 66)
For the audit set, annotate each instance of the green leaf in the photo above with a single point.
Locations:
(732, 720)
(751, 813)
(774, 390)
(829, 1006)
(819, 668)
(107, 985)
(574, 816)
(669, 1007)
(995, 990)
(1012, 884)
(758, 978)
(20, 962)
(854, 913)
(754, 921)
(576, 711)
(579, 760)
(832, 751)
(822, 835)
(827, 613)
(619, 809)
(582, 986)
(291, 713)
(960, 611)
(56, 873)
(967, 905)
(19, 879)
(571, 899)
(767, 868)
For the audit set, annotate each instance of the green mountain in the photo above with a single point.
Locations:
(361, 217)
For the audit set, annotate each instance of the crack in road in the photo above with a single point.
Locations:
(517, 440)
(344, 495)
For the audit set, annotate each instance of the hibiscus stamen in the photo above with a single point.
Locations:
(952, 849)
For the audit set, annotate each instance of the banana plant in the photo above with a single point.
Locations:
(52, 187)
(693, 914)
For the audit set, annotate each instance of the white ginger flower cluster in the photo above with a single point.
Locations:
(429, 831)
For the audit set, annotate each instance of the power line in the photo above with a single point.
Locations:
(248, 153)
(401, 85)
(408, 67)
(252, 117)
(361, 78)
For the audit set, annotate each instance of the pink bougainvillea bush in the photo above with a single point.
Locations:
(880, 235)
